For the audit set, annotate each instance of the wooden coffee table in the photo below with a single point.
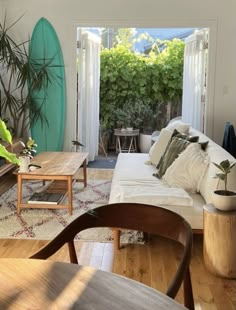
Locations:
(61, 169)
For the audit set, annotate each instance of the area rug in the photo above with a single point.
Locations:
(44, 224)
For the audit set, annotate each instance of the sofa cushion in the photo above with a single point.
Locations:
(188, 169)
(131, 166)
(174, 148)
(159, 147)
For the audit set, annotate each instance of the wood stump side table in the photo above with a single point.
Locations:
(219, 246)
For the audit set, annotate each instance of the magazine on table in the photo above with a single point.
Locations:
(46, 198)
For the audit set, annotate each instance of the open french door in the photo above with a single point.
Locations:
(195, 79)
(87, 124)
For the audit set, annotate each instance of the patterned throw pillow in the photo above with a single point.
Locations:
(203, 145)
(175, 147)
(177, 134)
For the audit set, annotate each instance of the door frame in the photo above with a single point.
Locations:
(210, 24)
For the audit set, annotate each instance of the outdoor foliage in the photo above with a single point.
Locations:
(135, 89)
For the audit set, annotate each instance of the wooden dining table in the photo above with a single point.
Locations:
(44, 284)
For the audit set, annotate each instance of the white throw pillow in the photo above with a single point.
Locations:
(178, 125)
(159, 147)
(188, 170)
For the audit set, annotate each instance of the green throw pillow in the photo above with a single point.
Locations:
(184, 136)
(176, 146)
(190, 139)
(181, 136)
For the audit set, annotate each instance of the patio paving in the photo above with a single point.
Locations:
(103, 162)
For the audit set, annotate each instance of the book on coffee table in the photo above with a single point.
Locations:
(46, 198)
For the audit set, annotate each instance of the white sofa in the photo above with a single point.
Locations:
(133, 181)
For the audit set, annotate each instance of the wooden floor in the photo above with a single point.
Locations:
(151, 263)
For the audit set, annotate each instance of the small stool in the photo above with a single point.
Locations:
(129, 143)
(219, 248)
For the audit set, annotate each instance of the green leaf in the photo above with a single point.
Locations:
(11, 157)
(219, 166)
(225, 164)
(221, 176)
(5, 134)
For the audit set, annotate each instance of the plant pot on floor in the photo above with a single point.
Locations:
(145, 142)
(224, 202)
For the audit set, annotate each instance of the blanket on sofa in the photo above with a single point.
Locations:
(154, 194)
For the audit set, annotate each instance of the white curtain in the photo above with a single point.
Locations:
(88, 93)
(194, 80)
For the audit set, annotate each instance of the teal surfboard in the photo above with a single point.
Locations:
(44, 45)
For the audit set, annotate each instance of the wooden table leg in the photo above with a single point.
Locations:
(135, 144)
(69, 185)
(131, 144)
(119, 145)
(85, 172)
(117, 148)
(19, 192)
(116, 236)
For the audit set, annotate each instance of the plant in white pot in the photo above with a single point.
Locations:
(26, 154)
(224, 199)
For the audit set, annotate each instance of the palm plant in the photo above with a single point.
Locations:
(20, 78)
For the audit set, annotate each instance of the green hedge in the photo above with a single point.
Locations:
(134, 88)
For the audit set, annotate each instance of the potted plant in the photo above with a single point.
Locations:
(148, 125)
(224, 199)
(26, 154)
(29, 148)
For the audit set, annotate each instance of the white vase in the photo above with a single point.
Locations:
(24, 163)
(224, 202)
(145, 142)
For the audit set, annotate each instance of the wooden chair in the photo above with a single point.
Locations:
(150, 219)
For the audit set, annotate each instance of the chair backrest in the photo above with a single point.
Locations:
(134, 216)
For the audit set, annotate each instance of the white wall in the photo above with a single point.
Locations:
(219, 16)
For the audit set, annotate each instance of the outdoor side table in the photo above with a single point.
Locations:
(126, 140)
(219, 247)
